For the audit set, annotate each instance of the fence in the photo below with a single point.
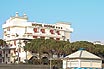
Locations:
(24, 66)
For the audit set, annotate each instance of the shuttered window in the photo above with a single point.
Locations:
(42, 37)
(58, 32)
(52, 31)
(35, 30)
(34, 36)
(43, 30)
(57, 38)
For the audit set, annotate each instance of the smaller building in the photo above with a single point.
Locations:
(98, 42)
(82, 59)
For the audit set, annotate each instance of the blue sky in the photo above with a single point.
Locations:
(86, 16)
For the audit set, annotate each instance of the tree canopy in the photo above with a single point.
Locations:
(2, 42)
(62, 47)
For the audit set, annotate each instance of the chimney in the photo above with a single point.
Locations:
(16, 14)
(24, 15)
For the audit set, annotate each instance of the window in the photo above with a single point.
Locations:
(61, 27)
(19, 58)
(43, 30)
(58, 32)
(42, 37)
(3, 59)
(63, 37)
(57, 38)
(8, 59)
(0, 55)
(19, 49)
(35, 30)
(3, 52)
(0, 52)
(15, 51)
(11, 45)
(34, 36)
(0, 60)
(9, 51)
(51, 38)
(15, 42)
(4, 32)
(67, 39)
(6, 55)
(52, 31)
(8, 29)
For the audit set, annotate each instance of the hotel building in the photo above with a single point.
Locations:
(17, 29)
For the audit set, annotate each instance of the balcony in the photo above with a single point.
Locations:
(2, 55)
(36, 34)
(12, 46)
(8, 55)
(8, 47)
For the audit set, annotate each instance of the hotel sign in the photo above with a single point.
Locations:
(40, 25)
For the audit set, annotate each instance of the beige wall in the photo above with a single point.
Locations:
(82, 63)
(67, 35)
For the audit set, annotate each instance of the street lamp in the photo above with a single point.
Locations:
(50, 63)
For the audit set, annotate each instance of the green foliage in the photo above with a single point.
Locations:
(51, 46)
(2, 42)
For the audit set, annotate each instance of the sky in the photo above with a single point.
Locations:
(86, 16)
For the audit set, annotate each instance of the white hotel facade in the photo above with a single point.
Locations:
(17, 29)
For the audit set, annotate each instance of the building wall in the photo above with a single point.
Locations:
(78, 63)
(20, 26)
(23, 66)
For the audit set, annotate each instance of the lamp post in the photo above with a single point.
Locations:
(50, 63)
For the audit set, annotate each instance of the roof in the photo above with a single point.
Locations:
(82, 54)
(67, 23)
